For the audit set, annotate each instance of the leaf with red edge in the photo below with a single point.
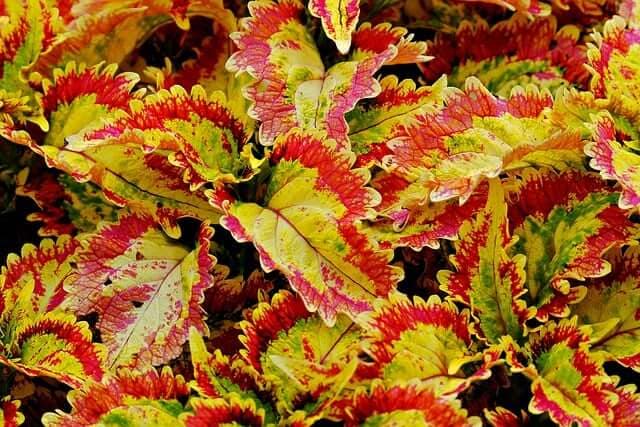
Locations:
(568, 381)
(487, 278)
(613, 302)
(218, 376)
(80, 95)
(27, 30)
(515, 51)
(202, 134)
(426, 341)
(110, 30)
(401, 404)
(136, 397)
(421, 224)
(613, 61)
(291, 87)
(615, 160)
(339, 20)
(10, 416)
(146, 289)
(55, 345)
(626, 410)
(32, 284)
(315, 238)
(369, 40)
(476, 135)
(218, 412)
(532, 7)
(373, 125)
(297, 354)
(565, 223)
(502, 417)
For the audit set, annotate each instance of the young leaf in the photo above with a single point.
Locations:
(10, 416)
(488, 279)
(145, 289)
(339, 20)
(369, 40)
(314, 238)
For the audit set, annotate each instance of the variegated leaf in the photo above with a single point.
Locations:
(565, 223)
(402, 404)
(291, 87)
(315, 238)
(615, 160)
(613, 305)
(423, 341)
(132, 397)
(297, 354)
(145, 289)
(515, 51)
(568, 381)
(10, 415)
(476, 135)
(339, 20)
(55, 345)
(487, 278)
(373, 125)
(220, 412)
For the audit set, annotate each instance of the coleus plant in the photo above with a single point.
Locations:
(375, 212)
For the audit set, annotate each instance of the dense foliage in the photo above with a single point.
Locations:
(360, 212)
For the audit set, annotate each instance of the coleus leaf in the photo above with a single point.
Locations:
(28, 30)
(199, 130)
(56, 345)
(140, 396)
(80, 95)
(339, 20)
(297, 354)
(38, 339)
(426, 341)
(10, 416)
(145, 289)
(369, 40)
(487, 278)
(315, 238)
(219, 376)
(565, 223)
(502, 417)
(32, 283)
(217, 412)
(614, 64)
(533, 7)
(568, 381)
(476, 135)
(504, 55)
(401, 404)
(109, 31)
(615, 160)
(373, 125)
(613, 303)
(292, 87)
(411, 221)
